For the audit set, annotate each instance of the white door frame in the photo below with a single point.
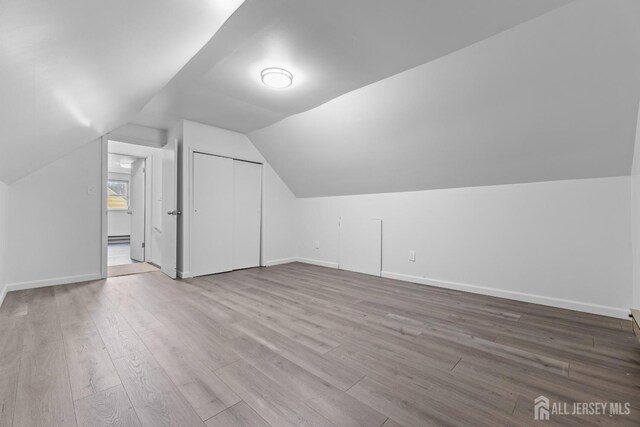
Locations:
(145, 219)
(104, 211)
(104, 214)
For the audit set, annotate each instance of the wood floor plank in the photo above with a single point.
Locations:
(108, 408)
(413, 407)
(239, 415)
(301, 345)
(11, 339)
(155, 398)
(42, 324)
(206, 393)
(43, 395)
(331, 371)
(446, 384)
(117, 336)
(90, 367)
(330, 402)
(267, 399)
(210, 346)
(14, 304)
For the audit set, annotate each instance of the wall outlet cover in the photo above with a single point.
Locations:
(412, 256)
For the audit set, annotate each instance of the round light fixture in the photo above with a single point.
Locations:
(276, 77)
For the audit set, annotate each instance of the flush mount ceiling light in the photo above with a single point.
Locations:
(276, 77)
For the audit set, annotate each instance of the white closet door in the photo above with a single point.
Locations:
(212, 216)
(247, 206)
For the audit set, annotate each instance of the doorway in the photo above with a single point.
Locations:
(133, 195)
(125, 209)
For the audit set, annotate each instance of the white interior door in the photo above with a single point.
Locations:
(212, 215)
(361, 245)
(136, 209)
(247, 205)
(170, 208)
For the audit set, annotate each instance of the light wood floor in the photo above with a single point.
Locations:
(300, 345)
(127, 269)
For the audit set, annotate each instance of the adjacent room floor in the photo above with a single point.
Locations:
(119, 254)
(301, 345)
(119, 262)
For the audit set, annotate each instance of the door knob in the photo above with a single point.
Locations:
(174, 212)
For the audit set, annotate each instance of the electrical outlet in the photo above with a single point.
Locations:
(412, 256)
(317, 244)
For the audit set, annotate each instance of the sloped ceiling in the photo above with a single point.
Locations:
(72, 70)
(331, 46)
(554, 98)
(388, 95)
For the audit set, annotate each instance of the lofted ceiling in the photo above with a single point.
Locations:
(72, 70)
(331, 46)
(387, 96)
(553, 98)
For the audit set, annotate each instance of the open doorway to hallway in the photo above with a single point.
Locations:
(134, 196)
(125, 209)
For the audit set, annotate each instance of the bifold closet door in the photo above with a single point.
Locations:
(212, 216)
(247, 205)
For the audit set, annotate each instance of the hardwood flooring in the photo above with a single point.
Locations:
(298, 345)
(127, 269)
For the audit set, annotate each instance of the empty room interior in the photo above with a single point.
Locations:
(319, 213)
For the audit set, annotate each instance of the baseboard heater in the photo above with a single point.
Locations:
(119, 239)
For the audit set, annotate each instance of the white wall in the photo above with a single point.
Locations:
(139, 135)
(153, 201)
(279, 211)
(635, 218)
(277, 199)
(55, 225)
(562, 243)
(4, 222)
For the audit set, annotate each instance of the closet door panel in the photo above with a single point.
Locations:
(247, 205)
(212, 215)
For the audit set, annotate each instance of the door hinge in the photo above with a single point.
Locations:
(143, 244)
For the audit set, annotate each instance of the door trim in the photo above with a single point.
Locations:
(104, 212)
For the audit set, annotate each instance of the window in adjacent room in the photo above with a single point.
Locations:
(117, 195)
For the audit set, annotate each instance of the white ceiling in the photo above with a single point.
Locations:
(72, 70)
(115, 163)
(331, 46)
(387, 96)
(554, 98)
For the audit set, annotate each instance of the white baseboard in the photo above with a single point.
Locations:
(280, 261)
(318, 262)
(53, 282)
(603, 310)
(183, 274)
